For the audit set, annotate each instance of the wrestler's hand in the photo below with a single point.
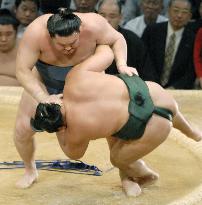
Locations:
(127, 70)
(56, 99)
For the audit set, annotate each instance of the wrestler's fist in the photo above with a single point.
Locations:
(127, 70)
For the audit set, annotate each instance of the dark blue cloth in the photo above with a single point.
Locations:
(53, 76)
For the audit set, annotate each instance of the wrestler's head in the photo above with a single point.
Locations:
(8, 30)
(64, 29)
(48, 117)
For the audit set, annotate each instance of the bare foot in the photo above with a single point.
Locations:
(196, 135)
(147, 180)
(131, 188)
(28, 179)
(142, 174)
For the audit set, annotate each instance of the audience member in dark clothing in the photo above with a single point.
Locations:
(50, 6)
(170, 46)
(197, 24)
(111, 10)
(195, 9)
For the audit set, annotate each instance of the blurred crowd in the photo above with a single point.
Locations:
(164, 37)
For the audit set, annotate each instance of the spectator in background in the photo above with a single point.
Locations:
(26, 11)
(85, 6)
(170, 46)
(197, 24)
(198, 58)
(8, 48)
(195, 9)
(111, 10)
(50, 6)
(7, 4)
(132, 9)
(151, 14)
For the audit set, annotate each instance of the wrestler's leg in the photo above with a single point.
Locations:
(180, 123)
(130, 187)
(142, 175)
(126, 155)
(24, 141)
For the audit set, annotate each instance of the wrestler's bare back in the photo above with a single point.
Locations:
(102, 101)
(38, 34)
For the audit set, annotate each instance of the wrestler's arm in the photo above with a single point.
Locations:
(99, 61)
(106, 34)
(27, 55)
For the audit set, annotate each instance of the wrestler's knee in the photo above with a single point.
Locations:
(116, 160)
(22, 130)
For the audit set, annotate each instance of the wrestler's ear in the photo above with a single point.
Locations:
(34, 127)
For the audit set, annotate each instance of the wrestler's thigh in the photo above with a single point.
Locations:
(161, 97)
(156, 132)
(26, 110)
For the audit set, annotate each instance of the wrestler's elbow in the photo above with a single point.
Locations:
(19, 74)
(110, 55)
(106, 54)
(120, 38)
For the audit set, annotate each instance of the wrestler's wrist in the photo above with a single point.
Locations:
(40, 96)
(120, 66)
(121, 63)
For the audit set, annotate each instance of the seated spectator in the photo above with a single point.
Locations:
(111, 10)
(198, 57)
(50, 6)
(8, 48)
(151, 14)
(132, 9)
(85, 6)
(170, 46)
(26, 11)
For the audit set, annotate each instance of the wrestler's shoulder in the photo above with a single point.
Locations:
(39, 22)
(37, 28)
(90, 17)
